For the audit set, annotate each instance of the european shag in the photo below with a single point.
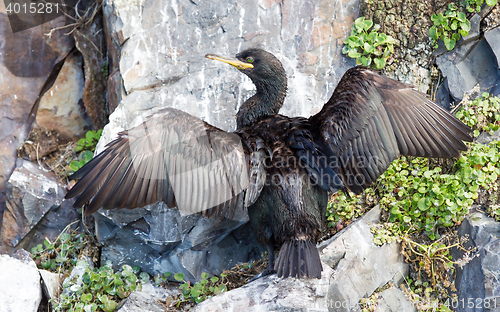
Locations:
(280, 169)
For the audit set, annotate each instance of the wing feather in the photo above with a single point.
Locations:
(176, 158)
(375, 118)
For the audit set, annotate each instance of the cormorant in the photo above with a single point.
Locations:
(279, 168)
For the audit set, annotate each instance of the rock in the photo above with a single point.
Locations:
(274, 294)
(364, 266)
(468, 65)
(141, 301)
(32, 194)
(474, 31)
(393, 300)
(19, 284)
(359, 268)
(162, 64)
(91, 42)
(485, 138)
(51, 283)
(493, 39)
(479, 278)
(60, 108)
(27, 59)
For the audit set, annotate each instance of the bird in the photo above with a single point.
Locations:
(279, 170)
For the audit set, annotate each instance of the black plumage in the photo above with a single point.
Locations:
(279, 168)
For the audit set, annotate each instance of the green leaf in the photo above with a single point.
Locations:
(179, 277)
(379, 62)
(454, 25)
(74, 165)
(204, 275)
(465, 26)
(461, 17)
(214, 279)
(144, 277)
(354, 54)
(433, 33)
(87, 156)
(449, 43)
(367, 24)
(491, 2)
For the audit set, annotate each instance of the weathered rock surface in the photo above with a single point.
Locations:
(20, 288)
(27, 60)
(479, 280)
(61, 108)
(161, 46)
(140, 302)
(35, 208)
(353, 268)
(374, 266)
(51, 283)
(473, 62)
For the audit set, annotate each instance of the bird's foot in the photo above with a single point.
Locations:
(266, 272)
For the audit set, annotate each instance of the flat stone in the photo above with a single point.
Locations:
(31, 193)
(52, 283)
(394, 300)
(139, 301)
(20, 288)
(274, 294)
(60, 108)
(493, 39)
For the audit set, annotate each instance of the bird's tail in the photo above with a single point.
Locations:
(298, 258)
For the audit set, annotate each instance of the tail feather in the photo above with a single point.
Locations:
(298, 258)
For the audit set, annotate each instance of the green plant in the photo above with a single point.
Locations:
(428, 198)
(83, 158)
(62, 253)
(432, 266)
(89, 142)
(99, 289)
(86, 146)
(449, 27)
(482, 114)
(368, 48)
(475, 5)
(204, 289)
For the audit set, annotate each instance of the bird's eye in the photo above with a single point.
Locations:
(250, 59)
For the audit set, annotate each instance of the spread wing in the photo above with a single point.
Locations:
(175, 158)
(370, 120)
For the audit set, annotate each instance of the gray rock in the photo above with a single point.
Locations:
(141, 301)
(474, 31)
(478, 280)
(393, 300)
(493, 39)
(364, 267)
(51, 283)
(485, 138)
(162, 47)
(20, 288)
(468, 65)
(60, 107)
(274, 294)
(36, 208)
(26, 61)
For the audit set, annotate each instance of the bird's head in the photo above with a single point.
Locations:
(258, 65)
(268, 76)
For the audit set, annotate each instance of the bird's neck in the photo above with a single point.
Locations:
(266, 102)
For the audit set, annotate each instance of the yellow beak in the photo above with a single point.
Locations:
(235, 62)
